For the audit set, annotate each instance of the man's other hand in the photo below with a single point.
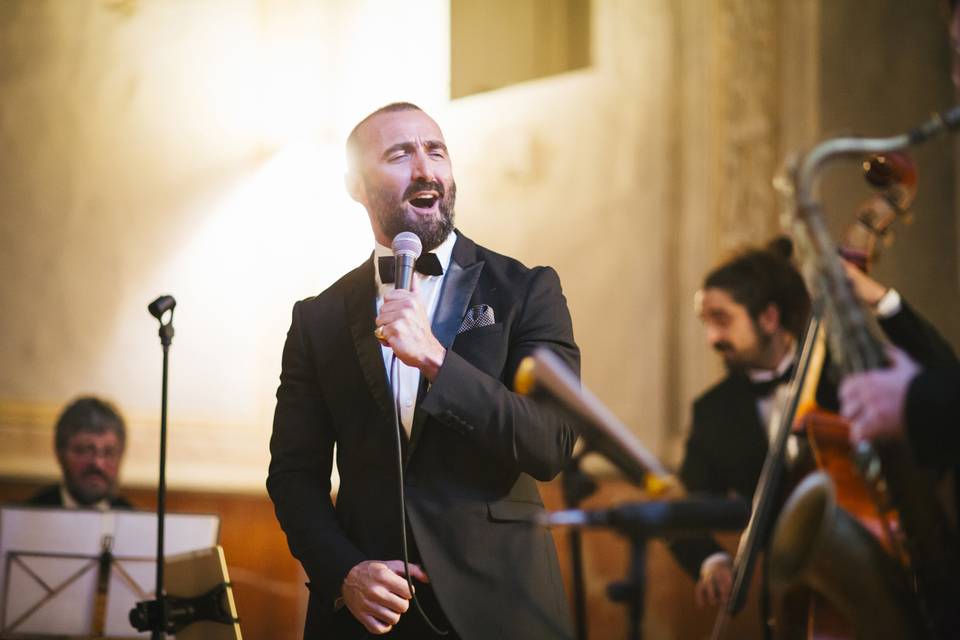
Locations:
(874, 401)
(715, 583)
(376, 592)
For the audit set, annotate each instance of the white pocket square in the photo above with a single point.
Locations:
(480, 315)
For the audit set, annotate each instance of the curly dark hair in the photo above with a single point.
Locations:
(757, 278)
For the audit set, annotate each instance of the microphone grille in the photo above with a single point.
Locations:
(407, 242)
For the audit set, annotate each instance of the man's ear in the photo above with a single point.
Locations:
(769, 319)
(355, 188)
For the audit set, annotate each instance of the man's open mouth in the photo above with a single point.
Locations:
(424, 200)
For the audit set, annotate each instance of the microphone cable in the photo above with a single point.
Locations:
(395, 379)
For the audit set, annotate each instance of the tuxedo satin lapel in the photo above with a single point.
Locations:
(361, 313)
(458, 286)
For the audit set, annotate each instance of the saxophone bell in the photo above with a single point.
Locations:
(819, 545)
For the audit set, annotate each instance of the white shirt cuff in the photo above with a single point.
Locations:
(713, 560)
(889, 305)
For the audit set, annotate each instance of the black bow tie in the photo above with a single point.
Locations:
(766, 387)
(428, 264)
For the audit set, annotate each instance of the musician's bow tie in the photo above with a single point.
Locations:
(428, 264)
(766, 387)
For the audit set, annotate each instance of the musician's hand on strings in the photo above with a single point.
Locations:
(866, 288)
(874, 401)
(716, 581)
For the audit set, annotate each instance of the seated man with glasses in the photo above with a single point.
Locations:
(89, 442)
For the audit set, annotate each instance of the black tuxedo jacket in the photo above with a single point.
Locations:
(933, 417)
(50, 497)
(727, 444)
(475, 451)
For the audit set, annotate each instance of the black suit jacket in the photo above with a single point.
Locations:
(475, 451)
(50, 497)
(728, 444)
(933, 417)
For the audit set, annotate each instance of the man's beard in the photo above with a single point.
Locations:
(741, 361)
(87, 495)
(392, 215)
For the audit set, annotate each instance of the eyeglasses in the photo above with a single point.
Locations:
(91, 452)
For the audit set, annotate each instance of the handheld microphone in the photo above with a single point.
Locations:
(406, 249)
(161, 305)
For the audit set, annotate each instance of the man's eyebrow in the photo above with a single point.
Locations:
(400, 146)
(430, 145)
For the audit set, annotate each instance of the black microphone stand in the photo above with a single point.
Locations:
(632, 591)
(157, 308)
(640, 522)
(577, 486)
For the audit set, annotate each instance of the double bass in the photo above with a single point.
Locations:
(899, 580)
(894, 176)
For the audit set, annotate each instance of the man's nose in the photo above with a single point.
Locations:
(714, 335)
(422, 168)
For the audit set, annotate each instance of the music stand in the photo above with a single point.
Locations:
(54, 560)
(202, 576)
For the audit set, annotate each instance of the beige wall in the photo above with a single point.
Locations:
(157, 147)
(192, 148)
(195, 148)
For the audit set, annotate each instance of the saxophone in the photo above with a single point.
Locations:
(815, 542)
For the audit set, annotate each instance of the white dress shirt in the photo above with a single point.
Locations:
(427, 289)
